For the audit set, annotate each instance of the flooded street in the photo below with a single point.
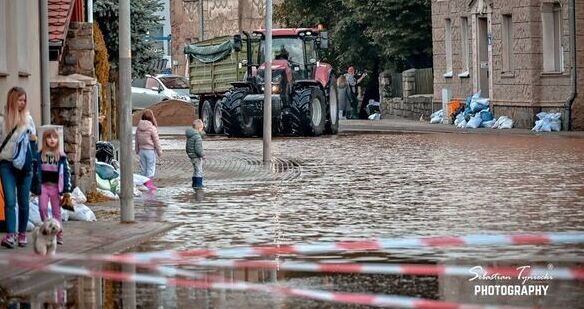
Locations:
(366, 186)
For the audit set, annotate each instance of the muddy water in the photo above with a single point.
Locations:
(368, 186)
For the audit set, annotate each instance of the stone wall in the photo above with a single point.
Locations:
(79, 52)
(221, 17)
(73, 104)
(408, 106)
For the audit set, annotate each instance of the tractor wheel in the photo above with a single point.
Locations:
(206, 114)
(217, 117)
(308, 112)
(332, 123)
(235, 122)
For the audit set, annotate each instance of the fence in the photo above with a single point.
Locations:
(424, 81)
(396, 88)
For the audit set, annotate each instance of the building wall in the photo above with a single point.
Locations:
(20, 52)
(526, 89)
(221, 17)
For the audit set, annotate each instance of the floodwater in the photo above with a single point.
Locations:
(364, 186)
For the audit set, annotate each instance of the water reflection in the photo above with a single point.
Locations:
(367, 186)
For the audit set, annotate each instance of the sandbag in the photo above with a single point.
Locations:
(78, 196)
(474, 121)
(109, 194)
(102, 183)
(486, 115)
(82, 213)
(140, 180)
(459, 119)
(437, 117)
(106, 171)
(462, 124)
(488, 124)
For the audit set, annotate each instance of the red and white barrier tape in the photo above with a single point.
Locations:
(170, 256)
(371, 245)
(347, 298)
(559, 273)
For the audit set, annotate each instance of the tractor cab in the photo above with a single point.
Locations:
(299, 47)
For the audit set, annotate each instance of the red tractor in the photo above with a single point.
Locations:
(304, 91)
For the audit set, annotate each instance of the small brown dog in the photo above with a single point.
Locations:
(44, 237)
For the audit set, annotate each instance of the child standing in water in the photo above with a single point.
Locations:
(54, 177)
(194, 150)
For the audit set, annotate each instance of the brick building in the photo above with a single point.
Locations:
(517, 53)
(220, 17)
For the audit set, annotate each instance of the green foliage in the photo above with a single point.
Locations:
(143, 19)
(394, 34)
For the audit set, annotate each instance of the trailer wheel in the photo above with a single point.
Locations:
(332, 124)
(217, 117)
(308, 112)
(206, 114)
(235, 122)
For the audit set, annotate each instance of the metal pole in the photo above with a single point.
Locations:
(125, 114)
(202, 26)
(268, 87)
(45, 83)
(90, 11)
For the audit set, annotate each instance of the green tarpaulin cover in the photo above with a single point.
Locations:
(210, 53)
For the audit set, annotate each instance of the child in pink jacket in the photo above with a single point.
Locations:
(147, 143)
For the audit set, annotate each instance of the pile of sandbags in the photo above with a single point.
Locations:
(477, 114)
(548, 122)
(108, 181)
(81, 213)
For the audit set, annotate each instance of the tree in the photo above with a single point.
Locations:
(143, 19)
(392, 34)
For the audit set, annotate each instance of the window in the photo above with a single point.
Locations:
(448, 43)
(22, 36)
(152, 83)
(465, 46)
(3, 37)
(507, 44)
(552, 29)
(140, 83)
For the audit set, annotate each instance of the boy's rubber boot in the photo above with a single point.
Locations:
(194, 184)
(198, 182)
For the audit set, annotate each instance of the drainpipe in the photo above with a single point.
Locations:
(567, 124)
(44, 53)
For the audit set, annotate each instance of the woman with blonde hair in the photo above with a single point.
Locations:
(17, 131)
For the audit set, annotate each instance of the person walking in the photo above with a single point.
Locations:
(344, 93)
(194, 148)
(147, 143)
(18, 136)
(54, 176)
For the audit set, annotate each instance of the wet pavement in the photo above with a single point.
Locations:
(363, 186)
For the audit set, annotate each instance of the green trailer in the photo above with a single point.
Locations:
(213, 66)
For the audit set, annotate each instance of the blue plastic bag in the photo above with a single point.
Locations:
(486, 115)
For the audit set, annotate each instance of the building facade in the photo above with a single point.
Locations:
(517, 53)
(220, 17)
(20, 52)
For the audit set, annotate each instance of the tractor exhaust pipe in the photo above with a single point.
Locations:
(249, 60)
